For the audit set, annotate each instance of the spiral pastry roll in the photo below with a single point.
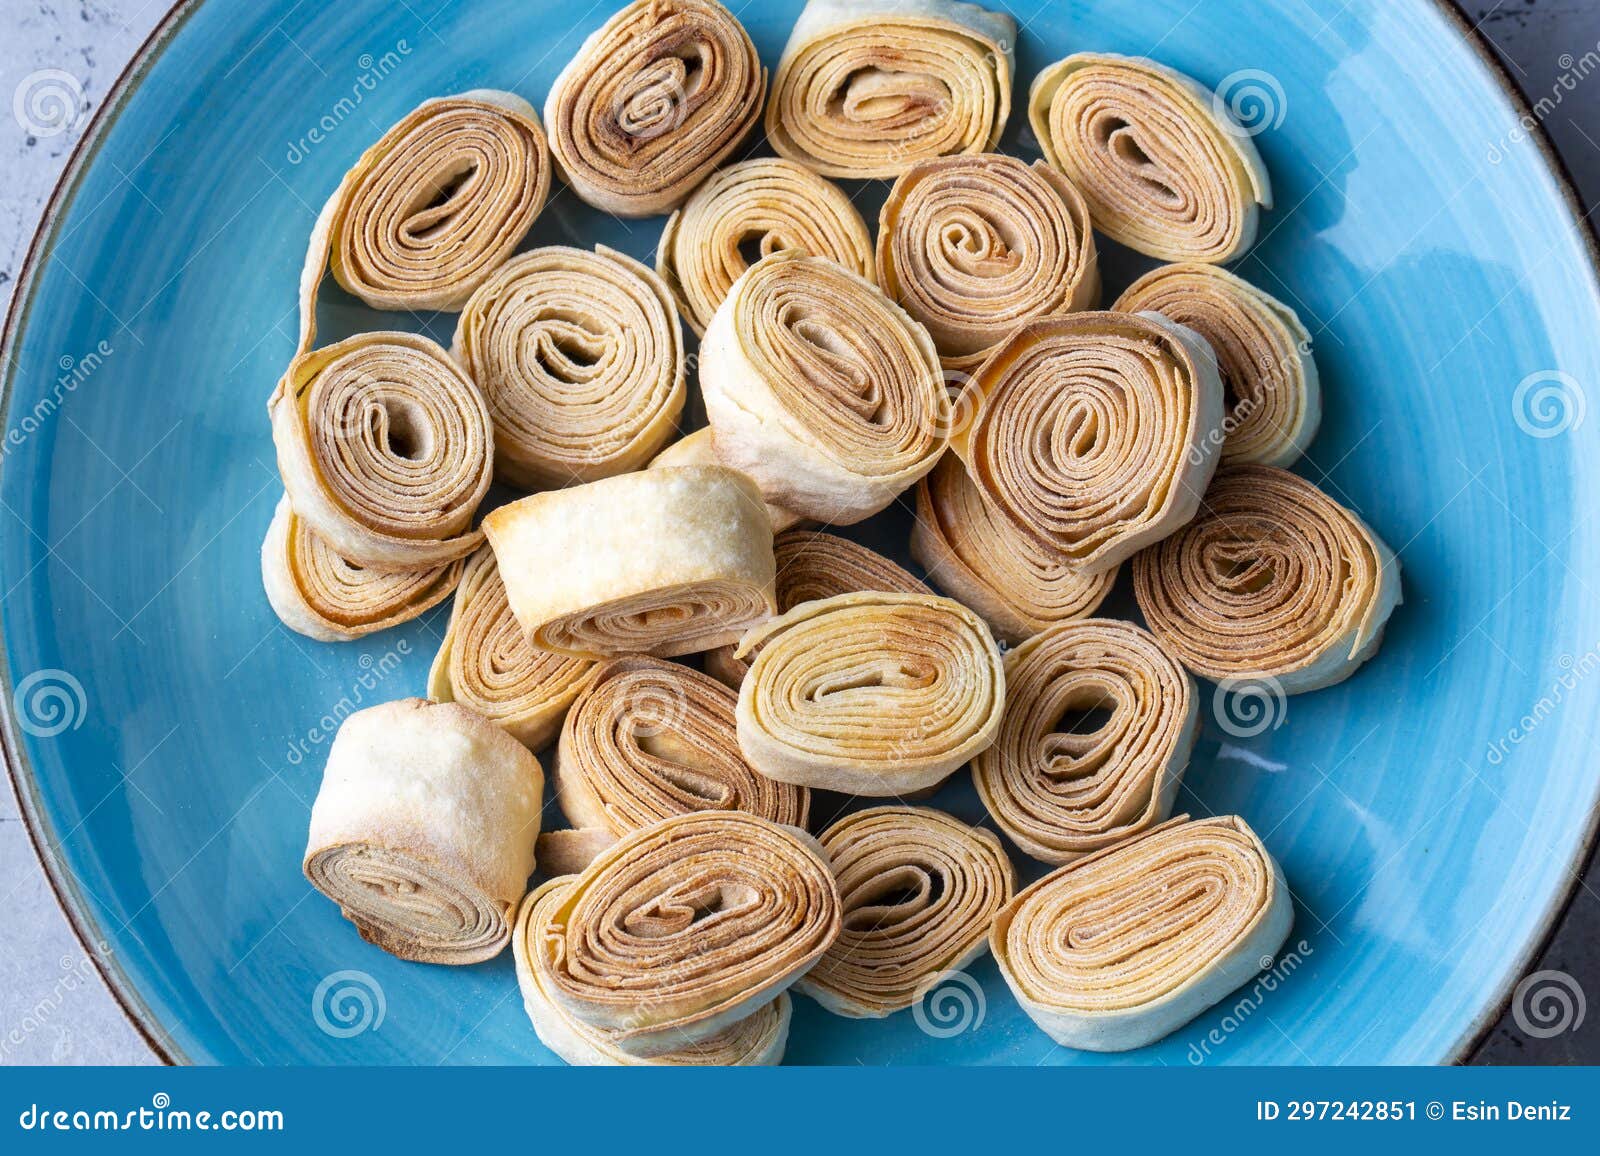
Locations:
(822, 389)
(976, 556)
(433, 208)
(1086, 433)
(1062, 785)
(870, 694)
(663, 562)
(765, 205)
(866, 88)
(486, 663)
(920, 890)
(323, 596)
(652, 103)
(650, 739)
(1274, 397)
(1163, 164)
(695, 449)
(385, 448)
(1123, 947)
(423, 829)
(685, 928)
(974, 246)
(1274, 581)
(580, 357)
(756, 1040)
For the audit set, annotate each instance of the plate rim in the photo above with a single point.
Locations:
(24, 783)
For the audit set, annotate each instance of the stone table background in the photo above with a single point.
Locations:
(53, 1010)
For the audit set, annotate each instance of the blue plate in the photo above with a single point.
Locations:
(167, 734)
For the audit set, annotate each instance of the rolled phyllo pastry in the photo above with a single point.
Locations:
(652, 103)
(760, 206)
(870, 693)
(974, 246)
(756, 1040)
(685, 928)
(978, 557)
(1100, 721)
(649, 739)
(423, 829)
(1274, 580)
(1125, 946)
(319, 594)
(1086, 432)
(1163, 164)
(385, 448)
(695, 449)
(485, 662)
(663, 562)
(1274, 398)
(580, 358)
(822, 389)
(570, 850)
(920, 890)
(866, 88)
(813, 565)
(433, 208)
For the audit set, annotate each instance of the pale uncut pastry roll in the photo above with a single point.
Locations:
(485, 662)
(756, 1040)
(685, 928)
(766, 206)
(822, 389)
(866, 88)
(652, 103)
(1163, 164)
(1061, 791)
(663, 562)
(814, 565)
(580, 358)
(870, 693)
(385, 448)
(1274, 582)
(976, 556)
(695, 449)
(317, 593)
(649, 739)
(1085, 431)
(974, 246)
(423, 829)
(432, 208)
(920, 890)
(1274, 395)
(1127, 945)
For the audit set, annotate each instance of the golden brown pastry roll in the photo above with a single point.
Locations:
(580, 358)
(974, 246)
(1162, 163)
(1274, 580)
(1100, 721)
(485, 662)
(662, 562)
(766, 206)
(870, 693)
(866, 88)
(652, 103)
(822, 389)
(687, 927)
(695, 449)
(423, 829)
(1123, 947)
(1085, 430)
(385, 448)
(920, 890)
